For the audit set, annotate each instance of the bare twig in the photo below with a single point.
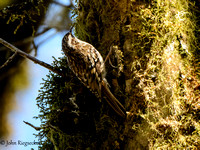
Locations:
(109, 53)
(9, 60)
(108, 57)
(39, 128)
(36, 128)
(34, 48)
(112, 64)
(49, 125)
(25, 55)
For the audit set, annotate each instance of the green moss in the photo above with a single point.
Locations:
(157, 44)
(72, 117)
(23, 13)
(170, 28)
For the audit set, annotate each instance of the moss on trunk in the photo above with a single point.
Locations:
(157, 79)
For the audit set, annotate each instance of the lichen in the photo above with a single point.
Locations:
(25, 12)
(159, 82)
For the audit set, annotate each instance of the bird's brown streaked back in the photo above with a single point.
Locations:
(88, 65)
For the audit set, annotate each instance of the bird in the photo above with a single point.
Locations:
(88, 65)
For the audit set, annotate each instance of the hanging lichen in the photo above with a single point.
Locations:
(154, 73)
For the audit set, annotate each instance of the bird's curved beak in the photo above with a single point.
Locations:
(71, 28)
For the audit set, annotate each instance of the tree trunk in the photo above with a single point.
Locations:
(155, 52)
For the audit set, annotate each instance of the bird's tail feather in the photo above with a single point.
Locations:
(112, 101)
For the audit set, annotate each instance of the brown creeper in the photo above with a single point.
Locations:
(88, 65)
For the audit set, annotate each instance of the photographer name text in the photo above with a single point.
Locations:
(7, 143)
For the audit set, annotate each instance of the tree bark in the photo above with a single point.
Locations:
(153, 74)
(157, 42)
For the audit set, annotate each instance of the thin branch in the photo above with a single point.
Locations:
(108, 57)
(34, 48)
(25, 55)
(49, 125)
(39, 128)
(9, 60)
(36, 128)
(109, 53)
(112, 64)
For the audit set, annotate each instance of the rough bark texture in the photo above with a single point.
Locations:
(155, 54)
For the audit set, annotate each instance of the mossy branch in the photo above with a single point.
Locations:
(25, 55)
